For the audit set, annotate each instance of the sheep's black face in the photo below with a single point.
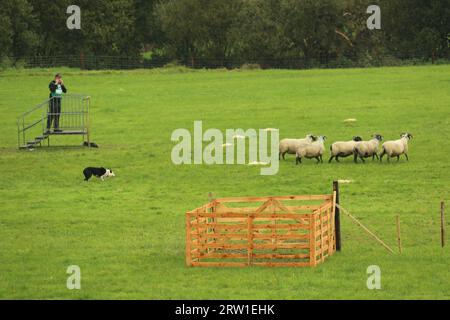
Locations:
(379, 137)
(406, 135)
(357, 138)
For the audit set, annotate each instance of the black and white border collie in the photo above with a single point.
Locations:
(101, 173)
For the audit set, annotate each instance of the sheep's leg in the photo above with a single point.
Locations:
(329, 161)
(375, 155)
(298, 160)
(337, 158)
(407, 159)
(355, 158)
(389, 158)
(318, 160)
(382, 155)
(362, 159)
(321, 159)
(398, 158)
(284, 155)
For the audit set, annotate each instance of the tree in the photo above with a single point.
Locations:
(18, 27)
(257, 35)
(198, 29)
(309, 27)
(417, 28)
(6, 32)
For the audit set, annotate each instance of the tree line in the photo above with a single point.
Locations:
(217, 33)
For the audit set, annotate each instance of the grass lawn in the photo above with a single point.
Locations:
(127, 234)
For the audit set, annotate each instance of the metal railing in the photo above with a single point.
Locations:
(66, 115)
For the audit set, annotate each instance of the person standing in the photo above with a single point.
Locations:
(57, 88)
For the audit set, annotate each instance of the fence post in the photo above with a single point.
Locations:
(211, 220)
(312, 240)
(250, 239)
(337, 217)
(399, 239)
(442, 224)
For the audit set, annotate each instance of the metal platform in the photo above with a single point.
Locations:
(71, 119)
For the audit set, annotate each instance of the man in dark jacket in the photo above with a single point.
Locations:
(57, 89)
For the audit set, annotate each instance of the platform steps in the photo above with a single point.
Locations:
(36, 143)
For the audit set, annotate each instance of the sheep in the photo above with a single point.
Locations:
(343, 148)
(365, 149)
(396, 148)
(311, 150)
(290, 145)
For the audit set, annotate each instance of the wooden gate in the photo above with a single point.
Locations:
(287, 231)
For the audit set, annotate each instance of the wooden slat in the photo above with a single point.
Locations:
(281, 264)
(223, 214)
(250, 240)
(294, 226)
(216, 245)
(312, 241)
(284, 198)
(321, 237)
(188, 241)
(214, 255)
(282, 236)
(258, 246)
(303, 208)
(220, 226)
(330, 236)
(281, 206)
(279, 256)
(219, 264)
(237, 215)
(227, 236)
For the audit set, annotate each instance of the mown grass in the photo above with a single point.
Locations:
(127, 234)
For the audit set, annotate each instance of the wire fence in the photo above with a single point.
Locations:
(93, 62)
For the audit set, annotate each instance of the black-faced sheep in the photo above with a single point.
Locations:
(396, 148)
(290, 145)
(343, 148)
(366, 149)
(311, 150)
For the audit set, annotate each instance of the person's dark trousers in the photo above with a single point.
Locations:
(54, 113)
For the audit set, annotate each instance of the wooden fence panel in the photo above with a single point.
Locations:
(267, 232)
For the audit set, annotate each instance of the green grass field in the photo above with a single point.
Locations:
(127, 234)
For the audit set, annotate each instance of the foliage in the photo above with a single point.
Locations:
(229, 33)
